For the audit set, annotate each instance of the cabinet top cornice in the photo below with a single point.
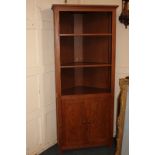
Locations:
(70, 6)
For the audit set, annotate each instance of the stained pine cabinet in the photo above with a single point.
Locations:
(73, 123)
(85, 72)
(100, 129)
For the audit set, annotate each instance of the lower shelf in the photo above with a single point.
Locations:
(84, 90)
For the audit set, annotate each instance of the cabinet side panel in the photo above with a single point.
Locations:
(113, 49)
(113, 65)
(57, 52)
(57, 72)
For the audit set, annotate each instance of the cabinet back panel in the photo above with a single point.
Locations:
(67, 78)
(66, 22)
(88, 21)
(67, 50)
(97, 49)
(85, 49)
(97, 22)
(97, 77)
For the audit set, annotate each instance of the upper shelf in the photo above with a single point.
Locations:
(92, 23)
(84, 64)
(87, 34)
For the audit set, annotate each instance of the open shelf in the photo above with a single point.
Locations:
(87, 34)
(85, 52)
(95, 50)
(84, 64)
(84, 90)
(85, 22)
(85, 80)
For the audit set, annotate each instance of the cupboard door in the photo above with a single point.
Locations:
(74, 130)
(100, 118)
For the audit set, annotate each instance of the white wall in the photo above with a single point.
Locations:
(41, 111)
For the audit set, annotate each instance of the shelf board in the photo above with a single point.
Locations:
(87, 34)
(84, 90)
(84, 64)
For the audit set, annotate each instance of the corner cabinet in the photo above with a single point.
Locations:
(85, 72)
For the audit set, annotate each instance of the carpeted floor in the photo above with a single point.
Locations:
(90, 151)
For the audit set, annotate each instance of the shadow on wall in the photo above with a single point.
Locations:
(47, 37)
(46, 45)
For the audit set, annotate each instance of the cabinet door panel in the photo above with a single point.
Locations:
(100, 120)
(74, 130)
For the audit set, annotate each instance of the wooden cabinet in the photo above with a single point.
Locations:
(100, 122)
(86, 120)
(85, 71)
(73, 123)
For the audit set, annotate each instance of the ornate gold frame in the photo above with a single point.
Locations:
(124, 83)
